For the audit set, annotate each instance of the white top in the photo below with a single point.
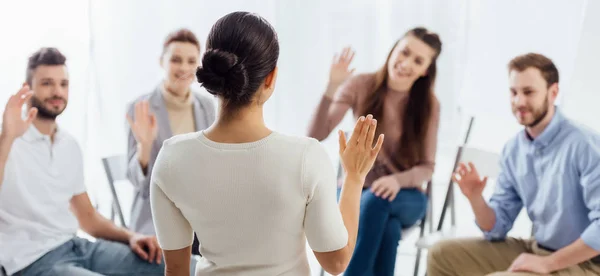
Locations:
(252, 205)
(40, 178)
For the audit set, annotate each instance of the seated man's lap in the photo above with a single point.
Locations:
(482, 257)
(103, 257)
(108, 258)
(474, 255)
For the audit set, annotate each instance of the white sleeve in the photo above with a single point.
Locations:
(323, 224)
(173, 230)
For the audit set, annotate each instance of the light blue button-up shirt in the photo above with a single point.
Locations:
(556, 177)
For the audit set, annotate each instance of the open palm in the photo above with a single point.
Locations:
(469, 181)
(340, 71)
(13, 124)
(358, 153)
(143, 125)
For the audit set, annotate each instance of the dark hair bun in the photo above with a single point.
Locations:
(223, 74)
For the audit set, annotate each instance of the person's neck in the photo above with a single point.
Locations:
(182, 93)
(247, 125)
(536, 130)
(45, 126)
(399, 86)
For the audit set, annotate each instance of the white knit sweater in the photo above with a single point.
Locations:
(252, 205)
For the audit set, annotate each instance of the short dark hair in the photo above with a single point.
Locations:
(181, 35)
(538, 61)
(241, 50)
(44, 56)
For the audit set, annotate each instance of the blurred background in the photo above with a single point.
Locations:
(113, 49)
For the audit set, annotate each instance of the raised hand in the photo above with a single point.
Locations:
(144, 130)
(359, 154)
(13, 125)
(339, 70)
(469, 181)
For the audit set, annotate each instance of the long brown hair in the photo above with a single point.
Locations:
(417, 114)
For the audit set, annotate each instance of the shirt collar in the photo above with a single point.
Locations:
(32, 134)
(548, 134)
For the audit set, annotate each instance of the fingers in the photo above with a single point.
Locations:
(152, 120)
(455, 177)
(462, 169)
(23, 98)
(365, 130)
(371, 134)
(144, 108)
(377, 148)
(350, 56)
(151, 251)
(24, 90)
(484, 181)
(472, 168)
(137, 111)
(31, 115)
(138, 250)
(342, 141)
(356, 132)
(377, 189)
(158, 255)
(389, 194)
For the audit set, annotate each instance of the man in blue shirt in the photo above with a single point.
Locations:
(553, 169)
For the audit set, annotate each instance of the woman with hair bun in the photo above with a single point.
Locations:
(253, 196)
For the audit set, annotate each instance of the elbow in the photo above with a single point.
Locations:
(335, 262)
(337, 268)
(316, 135)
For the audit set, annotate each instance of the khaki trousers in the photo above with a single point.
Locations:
(478, 257)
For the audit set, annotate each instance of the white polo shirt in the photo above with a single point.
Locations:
(40, 178)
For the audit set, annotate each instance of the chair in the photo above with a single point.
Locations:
(421, 225)
(487, 164)
(116, 170)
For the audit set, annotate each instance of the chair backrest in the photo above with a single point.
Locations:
(486, 162)
(115, 167)
(116, 170)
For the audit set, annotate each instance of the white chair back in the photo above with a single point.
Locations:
(487, 163)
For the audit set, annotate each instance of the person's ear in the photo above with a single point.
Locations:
(270, 79)
(553, 90)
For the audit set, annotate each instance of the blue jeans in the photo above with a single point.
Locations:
(379, 230)
(81, 257)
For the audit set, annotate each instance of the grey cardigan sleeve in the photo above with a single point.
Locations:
(209, 110)
(135, 174)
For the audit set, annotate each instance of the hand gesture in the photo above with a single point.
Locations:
(386, 187)
(339, 71)
(146, 247)
(13, 125)
(358, 154)
(469, 181)
(531, 263)
(144, 126)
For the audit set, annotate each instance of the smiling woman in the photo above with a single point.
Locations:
(400, 96)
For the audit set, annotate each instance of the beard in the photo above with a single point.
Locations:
(46, 113)
(537, 114)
